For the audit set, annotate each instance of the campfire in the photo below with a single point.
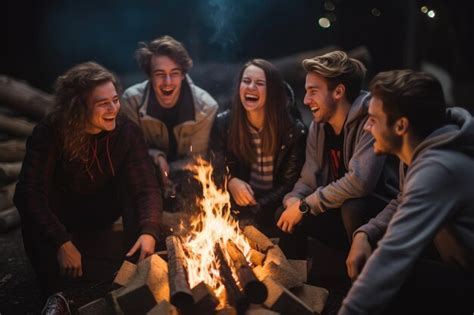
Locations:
(215, 268)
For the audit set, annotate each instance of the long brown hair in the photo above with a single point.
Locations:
(276, 121)
(71, 113)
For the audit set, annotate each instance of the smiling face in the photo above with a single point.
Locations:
(386, 139)
(253, 90)
(104, 105)
(318, 98)
(166, 77)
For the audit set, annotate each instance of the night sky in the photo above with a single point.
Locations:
(45, 38)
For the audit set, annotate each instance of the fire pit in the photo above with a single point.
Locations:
(215, 268)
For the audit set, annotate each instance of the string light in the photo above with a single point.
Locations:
(424, 9)
(324, 22)
(431, 14)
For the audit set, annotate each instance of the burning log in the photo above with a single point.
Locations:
(205, 300)
(255, 290)
(180, 293)
(257, 239)
(22, 97)
(301, 268)
(16, 126)
(256, 257)
(283, 301)
(12, 151)
(227, 310)
(235, 296)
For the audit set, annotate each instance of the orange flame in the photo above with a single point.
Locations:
(214, 224)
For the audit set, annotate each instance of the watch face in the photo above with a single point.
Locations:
(304, 207)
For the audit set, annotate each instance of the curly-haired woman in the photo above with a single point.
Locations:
(78, 161)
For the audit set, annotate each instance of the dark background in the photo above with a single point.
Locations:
(44, 38)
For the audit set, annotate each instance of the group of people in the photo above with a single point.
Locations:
(384, 175)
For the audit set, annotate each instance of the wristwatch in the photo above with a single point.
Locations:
(304, 207)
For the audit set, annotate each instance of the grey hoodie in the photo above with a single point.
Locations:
(437, 190)
(367, 174)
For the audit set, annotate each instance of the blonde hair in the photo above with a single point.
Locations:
(338, 68)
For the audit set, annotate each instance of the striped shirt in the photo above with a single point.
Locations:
(261, 171)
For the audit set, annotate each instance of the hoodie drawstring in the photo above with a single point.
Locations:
(95, 158)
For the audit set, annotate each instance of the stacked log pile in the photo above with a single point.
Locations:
(268, 284)
(21, 107)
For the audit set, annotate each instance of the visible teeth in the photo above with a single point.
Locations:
(314, 109)
(250, 96)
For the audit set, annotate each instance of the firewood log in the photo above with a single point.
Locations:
(23, 98)
(9, 172)
(205, 301)
(180, 293)
(16, 126)
(12, 151)
(9, 218)
(235, 297)
(6, 196)
(257, 239)
(283, 301)
(255, 290)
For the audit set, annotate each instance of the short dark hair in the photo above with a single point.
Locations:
(418, 96)
(337, 68)
(163, 46)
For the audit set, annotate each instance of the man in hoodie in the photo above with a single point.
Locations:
(175, 115)
(341, 171)
(408, 118)
(79, 162)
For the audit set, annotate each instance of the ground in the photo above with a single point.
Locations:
(19, 293)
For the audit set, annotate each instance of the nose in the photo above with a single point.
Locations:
(367, 126)
(306, 99)
(167, 78)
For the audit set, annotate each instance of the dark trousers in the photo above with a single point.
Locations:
(102, 252)
(434, 288)
(334, 227)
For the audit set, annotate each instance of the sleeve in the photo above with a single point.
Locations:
(363, 172)
(143, 184)
(376, 227)
(32, 191)
(292, 169)
(306, 184)
(427, 202)
(130, 106)
(203, 131)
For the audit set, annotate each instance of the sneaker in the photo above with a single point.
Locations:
(56, 304)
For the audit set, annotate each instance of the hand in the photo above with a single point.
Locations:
(241, 192)
(69, 259)
(291, 201)
(146, 244)
(290, 218)
(358, 255)
(162, 163)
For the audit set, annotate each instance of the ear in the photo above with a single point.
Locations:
(401, 126)
(339, 91)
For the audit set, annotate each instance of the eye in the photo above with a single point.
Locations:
(246, 80)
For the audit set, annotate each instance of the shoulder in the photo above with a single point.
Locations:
(298, 129)
(136, 90)
(203, 101)
(127, 129)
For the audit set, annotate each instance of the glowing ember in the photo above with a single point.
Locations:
(214, 224)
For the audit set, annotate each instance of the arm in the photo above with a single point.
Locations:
(142, 183)
(292, 169)
(427, 202)
(306, 184)
(363, 172)
(31, 195)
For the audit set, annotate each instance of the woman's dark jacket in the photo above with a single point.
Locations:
(288, 159)
(55, 196)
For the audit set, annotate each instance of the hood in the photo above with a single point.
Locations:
(458, 133)
(359, 107)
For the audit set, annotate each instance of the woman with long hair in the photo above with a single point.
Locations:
(79, 162)
(261, 144)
